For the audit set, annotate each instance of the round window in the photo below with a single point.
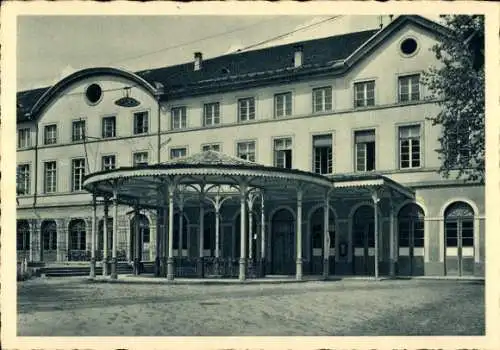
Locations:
(93, 93)
(409, 46)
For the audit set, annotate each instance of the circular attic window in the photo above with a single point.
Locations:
(409, 46)
(93, 93)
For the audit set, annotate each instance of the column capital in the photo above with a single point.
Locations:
(375, 196)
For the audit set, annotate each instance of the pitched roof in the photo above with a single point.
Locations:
(251, 68)
(211, 158)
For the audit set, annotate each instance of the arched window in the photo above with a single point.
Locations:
(459, 225)
(49, 235)
(23, 235)
(77, 234)
(411, 226)
(364, 227)
(100, 238)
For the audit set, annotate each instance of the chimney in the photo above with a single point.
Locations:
(198, 57)
(298, 58)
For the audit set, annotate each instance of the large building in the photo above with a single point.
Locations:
(350, 109)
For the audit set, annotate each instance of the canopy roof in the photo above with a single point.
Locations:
(212, 173)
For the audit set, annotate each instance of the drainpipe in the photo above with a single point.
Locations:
(36, 166)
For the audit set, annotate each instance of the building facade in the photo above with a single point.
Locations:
(343, 106)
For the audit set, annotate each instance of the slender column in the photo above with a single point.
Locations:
(164, 243)
(376, 199)
(326, 238)
(137, 241)
(94, 222)
(262, 236)
(105, 239)
(181, 228)
(158, 243)
(250, 230)
(392, 259)
(217, 233)
(114, 260)
(243, 232)
(298, 271)
(201, 237)
(170, 258)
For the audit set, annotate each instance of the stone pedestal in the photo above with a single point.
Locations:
(136, 267)
(298, 271)
(170, 269)
(114, 272)
(92, 267)
(242, 274)
(200, 268)
(326, 268)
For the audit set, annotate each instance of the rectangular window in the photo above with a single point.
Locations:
(246, 150)
(141, 123)
(50, 181)
(178, 152)
(108, 162)
(140, 158)
(246, 109)
(409, 88)
(323, 155)
(78, 130)
(322, 99)
(178, 118)
(211, 114)
(78, 173)
(108, 127)
(409, 147)
(283, 105)
(364, 94)
(365, 150)
(211, 147)
(23, 179)
(50, 134)
(283, 152)
(24, 138)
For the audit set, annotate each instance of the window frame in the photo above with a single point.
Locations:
(135, 154)
(45, 177)
(177, 148)
(215, 119)
(183, 117)
(404, 76)
(103, 126)
(399, 145)
(313, 153)
(82, 169)
(210, 145)
(250, 104)
(26, 132)
(108, 156)
(26, 180)
(74, 127)
(355, 150)
(275, 154)
(246, 143)
(145, 126)
(365, 83)
(53, 141)
(275, 101)
(324, 94)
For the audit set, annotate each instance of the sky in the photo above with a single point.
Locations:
(52, 47)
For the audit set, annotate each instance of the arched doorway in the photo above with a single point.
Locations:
(316, 233)
(100, 238)
(49, 241)
(363, 234)
(283, 243)
(23, 240)
(143, 237)
(77, 240)
(411, 240)
(176, 241)
(459, 239)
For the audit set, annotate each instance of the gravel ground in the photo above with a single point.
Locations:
(78, 307)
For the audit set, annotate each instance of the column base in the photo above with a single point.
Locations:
(326, 268)
(136, 267)
(170, 269)
(105, 267)
(200, 267)
(92, 267)
(242, 275)
(114, 272)
(157, 271)
(298, 270)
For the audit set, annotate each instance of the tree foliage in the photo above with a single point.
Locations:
(459, 85)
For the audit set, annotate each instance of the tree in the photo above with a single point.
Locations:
(459, 85)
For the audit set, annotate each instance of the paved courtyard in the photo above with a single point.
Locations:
(74, 306)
